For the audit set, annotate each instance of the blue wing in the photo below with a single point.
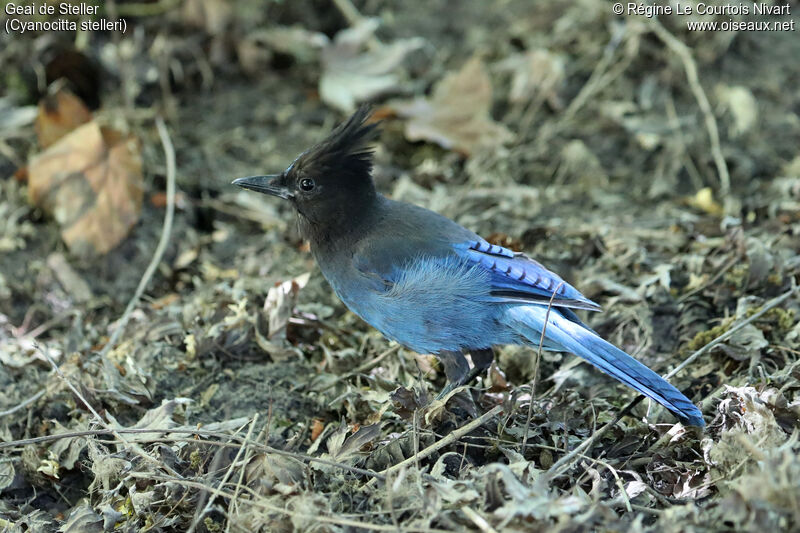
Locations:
(408, 233)
(515, 277)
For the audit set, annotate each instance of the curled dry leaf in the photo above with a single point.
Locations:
(317, 425)
(59, 114)
(255, 50)
(406, 401)
(82, 519)
(457, 115)
(742, 106)
(354, 73)
(278, 307)
(275, 474)
(279, 303)
(344, 448)
(90, 180)
(745, 344)
(536, 74)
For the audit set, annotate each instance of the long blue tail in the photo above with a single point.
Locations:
(570, 336)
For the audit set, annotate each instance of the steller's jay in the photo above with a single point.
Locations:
(431, 284)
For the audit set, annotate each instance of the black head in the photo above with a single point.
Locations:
(330, 184)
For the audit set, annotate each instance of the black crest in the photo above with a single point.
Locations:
(346, 151)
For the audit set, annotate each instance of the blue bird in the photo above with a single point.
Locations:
(432, 285)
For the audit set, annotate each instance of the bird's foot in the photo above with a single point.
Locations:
(448, 388)
(453, 385)
(473, 374)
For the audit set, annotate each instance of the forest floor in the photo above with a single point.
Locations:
(654, 168)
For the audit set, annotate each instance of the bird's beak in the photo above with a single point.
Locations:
(265, 184)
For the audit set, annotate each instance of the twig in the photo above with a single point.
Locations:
(596, 79)
(24, 404)
(262, 447)
(227, 475)
(725, 336)
(38, 330)
(166, 230)
(348, 11)
(643, 509)
(479, 521)
(363, 367)
(449, 439)
(133, 446)
(355, 524)
(689, 65)
(727, 266)
(565, 462)
(233, 502)
(369, 365)
(536, 366)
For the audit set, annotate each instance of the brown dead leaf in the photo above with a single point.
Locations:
(457, 114)
(90, 180)
(405, 402)
(357, 67)
(21, 174)
(59, 114)
(159, 200)
(270, 330)
(279, 303)
(343, 448)
(317, 425)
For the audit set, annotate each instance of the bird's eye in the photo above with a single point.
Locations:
(306, 184)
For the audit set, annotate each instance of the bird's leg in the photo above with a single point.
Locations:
(481, 359)
(456, 369)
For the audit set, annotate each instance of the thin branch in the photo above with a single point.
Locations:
(689, 65)
(566, 461)
(449, 439)
(135, 448)
(479, 521)
(191, 431)
(166, 231)
(199, 516)
(348, 11)
(328, 519)
(233, 503)
(24, 404)
(536, 365)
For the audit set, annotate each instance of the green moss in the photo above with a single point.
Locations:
(737, 275)
(775, 279)
(195, 460)
(212, 526)
(784, 320)
(704, 337)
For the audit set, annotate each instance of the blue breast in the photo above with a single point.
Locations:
(434, 304)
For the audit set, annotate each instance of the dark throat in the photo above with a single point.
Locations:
(341, 225)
